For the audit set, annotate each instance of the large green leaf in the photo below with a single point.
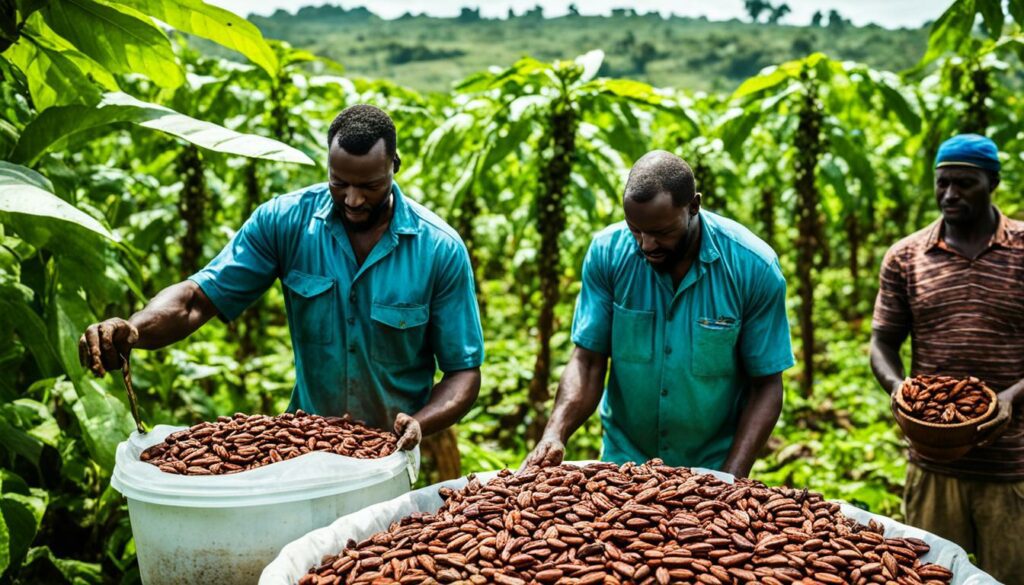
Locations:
(73, 571)
(766, 80)
(120, 39)
(105, 420)
(951, 29)
(736, 126)
(894, 100)
(57, 74)
(992, 12)
(1016, 8)
(18, 315)
(22, 513)
(216, 24)
(12, 173)
(30, 209)
(58, 122)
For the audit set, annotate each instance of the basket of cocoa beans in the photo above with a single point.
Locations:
(940, 415)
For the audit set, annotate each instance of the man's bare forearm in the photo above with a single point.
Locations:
(172, 315)
(450, 400)
(885, 359)
(764, 405)
(579, 393)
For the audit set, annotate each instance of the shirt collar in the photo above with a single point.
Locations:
(403, 221)
(709, 251)
(1002, 237)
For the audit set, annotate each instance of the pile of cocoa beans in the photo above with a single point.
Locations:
(945, 399)
(242, 442)
(635, 523)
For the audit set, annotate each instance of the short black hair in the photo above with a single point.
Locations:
(659, 171)
(357, 128)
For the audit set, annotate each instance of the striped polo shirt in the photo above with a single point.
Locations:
(965, 318)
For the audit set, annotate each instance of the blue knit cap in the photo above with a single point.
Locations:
(969, 150)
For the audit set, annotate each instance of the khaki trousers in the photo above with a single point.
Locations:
(985, 518)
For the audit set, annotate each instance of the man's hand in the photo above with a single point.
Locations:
(549, 452)
(101, 346)
(990, 430)
(408, 430)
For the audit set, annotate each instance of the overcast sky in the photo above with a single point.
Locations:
(888, 13)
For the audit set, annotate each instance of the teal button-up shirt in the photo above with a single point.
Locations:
(368, 338)
(681, 358)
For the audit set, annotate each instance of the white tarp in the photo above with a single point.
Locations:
(297, 557)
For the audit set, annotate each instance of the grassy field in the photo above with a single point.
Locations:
(429, 54)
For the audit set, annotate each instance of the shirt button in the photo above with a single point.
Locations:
(352, 348)
(664, 391)
(664, 432)
(668, 350)
(351, 320)
(352, 297)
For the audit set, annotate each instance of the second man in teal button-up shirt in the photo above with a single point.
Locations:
(378, 290)
(691, 309)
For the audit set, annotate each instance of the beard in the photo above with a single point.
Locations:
(373, 215)
(670, 258)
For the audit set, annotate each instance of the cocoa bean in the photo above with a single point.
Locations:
(241, 442)
(603, 524)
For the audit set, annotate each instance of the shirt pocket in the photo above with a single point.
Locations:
(313, 306)
(398, 332)
(632, 334)
(714, 347)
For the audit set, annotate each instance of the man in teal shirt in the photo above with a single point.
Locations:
(691, 309)
(377, 290)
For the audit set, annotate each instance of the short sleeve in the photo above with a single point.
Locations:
(765, 346)
(245, 268)
(892, 306)
(592, 321)
(455, 333)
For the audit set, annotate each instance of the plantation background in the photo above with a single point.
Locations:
(129, 159)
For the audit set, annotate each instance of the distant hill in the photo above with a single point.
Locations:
(429, 53)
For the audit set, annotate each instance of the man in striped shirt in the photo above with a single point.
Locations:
(957, 289)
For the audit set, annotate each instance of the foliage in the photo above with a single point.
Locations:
(129, 158)
(675, 51)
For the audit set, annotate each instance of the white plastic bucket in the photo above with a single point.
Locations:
(227, 528)
(297, 557)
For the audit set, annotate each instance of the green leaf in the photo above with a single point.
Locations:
(949, 32)
(992, 12)
(18, 442)
(216, 24)
(13, 173)
(105, 420)
(894, 100)
(591, 63)
(835, 176)
(771, 77)
(22, 513)
(1014, 43)
(1017, 11)
(736, 126)
(5, 543)
(57, 74)
(22, 200)
(855, 155)
(58, 122)
(120, 39)
(74, 572)
(16, 314)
